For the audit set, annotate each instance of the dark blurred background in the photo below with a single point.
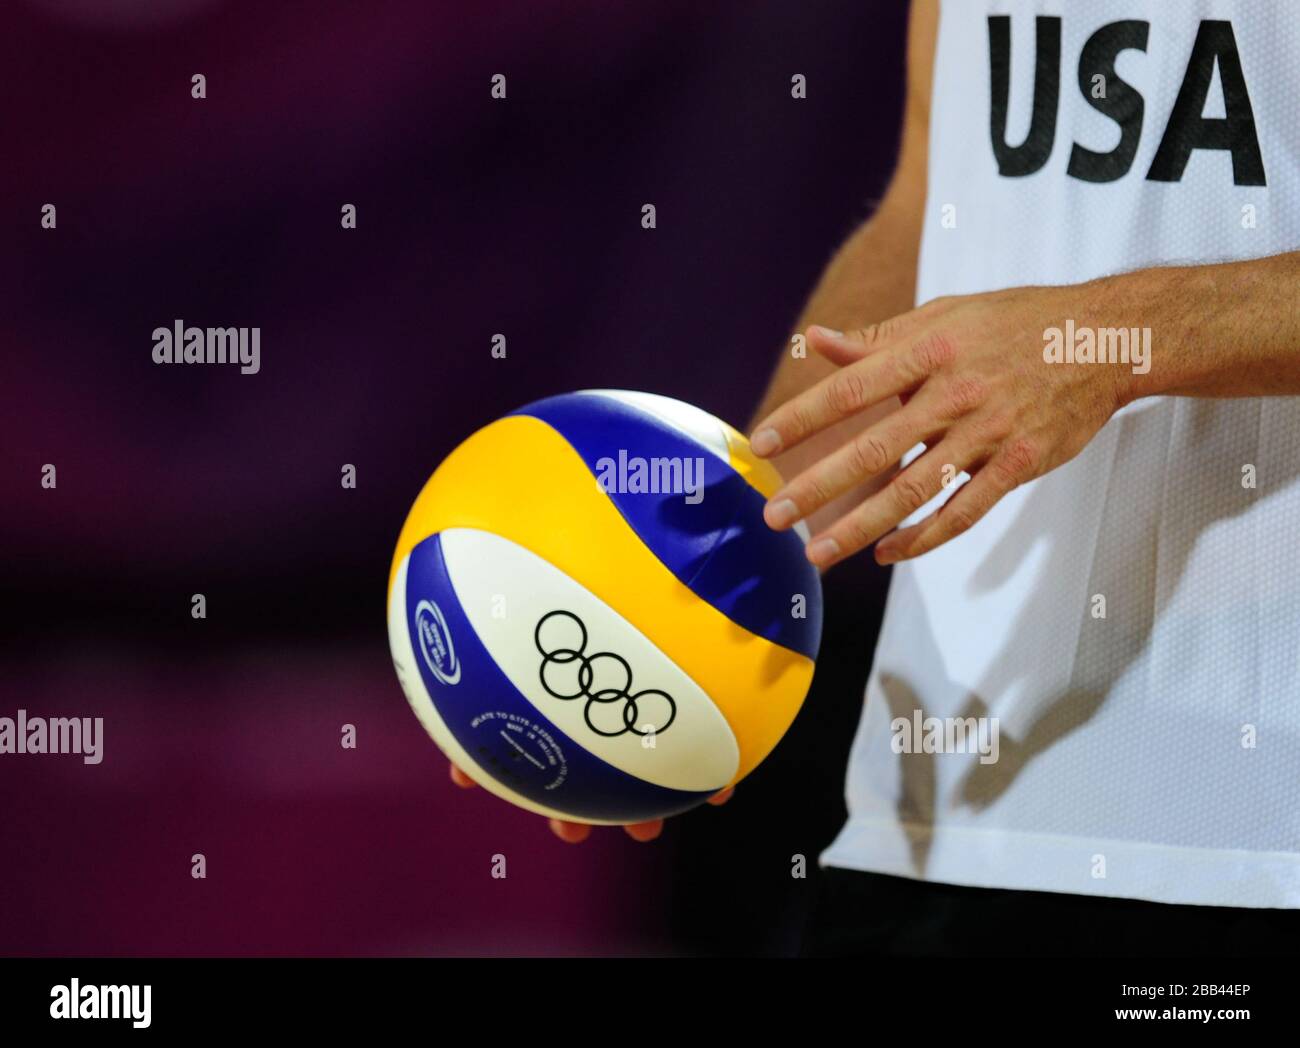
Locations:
(475, 217)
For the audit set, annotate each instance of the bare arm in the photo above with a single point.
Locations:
(871, 278)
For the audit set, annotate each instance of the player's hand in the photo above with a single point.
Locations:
(576, 832)
(975, 388)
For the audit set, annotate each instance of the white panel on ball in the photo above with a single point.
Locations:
(408, 674)
(694, 422)
(506, 591)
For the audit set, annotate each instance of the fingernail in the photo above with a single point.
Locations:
(765, 442)
(781, 514)
(823, 550)
(827, 332)
(886, 554)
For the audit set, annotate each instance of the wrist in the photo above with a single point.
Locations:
(1140, 308)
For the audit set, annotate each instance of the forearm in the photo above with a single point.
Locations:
(1228, 330)
(871, 278)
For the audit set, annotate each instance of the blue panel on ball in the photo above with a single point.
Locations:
(502, 730)
(719, 545)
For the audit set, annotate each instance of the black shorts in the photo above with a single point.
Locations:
(865, 914)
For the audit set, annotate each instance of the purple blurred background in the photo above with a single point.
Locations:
(475, 217)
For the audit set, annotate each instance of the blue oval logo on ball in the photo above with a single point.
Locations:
(435, 642)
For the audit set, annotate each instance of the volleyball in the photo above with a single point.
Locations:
(588, 614)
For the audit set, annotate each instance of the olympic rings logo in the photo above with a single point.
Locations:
(568, 673)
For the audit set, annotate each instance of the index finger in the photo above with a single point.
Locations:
(849, 390)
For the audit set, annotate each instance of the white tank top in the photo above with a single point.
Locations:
(1132, 619)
